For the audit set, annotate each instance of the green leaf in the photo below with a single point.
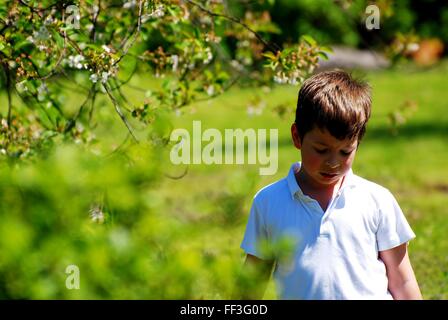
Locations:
(309, 39)
(208, 75)
(6, 50)
(22, 44)
(269, 55)
(269, 27)
(223, 76)
(59, 39)
(44, 118)
(326, 49)
(286, 52)
(323, 55)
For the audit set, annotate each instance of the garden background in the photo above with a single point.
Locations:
(91, 90)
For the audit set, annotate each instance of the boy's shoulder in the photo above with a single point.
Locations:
(375, 190)
(281, 190)
(275, 189)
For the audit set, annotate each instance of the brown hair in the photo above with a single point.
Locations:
(334, 100)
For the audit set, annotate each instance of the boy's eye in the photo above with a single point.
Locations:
(321, 151)
(346, 153)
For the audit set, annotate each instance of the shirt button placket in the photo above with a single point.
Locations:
(324, 222)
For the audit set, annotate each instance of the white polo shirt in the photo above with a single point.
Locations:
(334, 254)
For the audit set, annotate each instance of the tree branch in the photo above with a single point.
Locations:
(177, 177)
(94, 21)
(120, 113)
(8, 91)
(270, 45)
(38, 10)
(134, 35)
(71, 123)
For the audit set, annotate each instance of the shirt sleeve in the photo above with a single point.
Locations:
(393, 229)
(256, 234)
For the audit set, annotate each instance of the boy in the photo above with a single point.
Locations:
(348, 235)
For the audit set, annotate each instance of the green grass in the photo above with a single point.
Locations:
(412, 164)
(209, 206)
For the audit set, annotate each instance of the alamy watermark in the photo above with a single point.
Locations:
(373, 20)
(73, 17)
(72, 281)
(230, 148)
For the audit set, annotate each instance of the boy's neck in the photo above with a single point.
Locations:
(317, 192)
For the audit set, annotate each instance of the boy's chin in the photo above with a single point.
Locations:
(328, 179)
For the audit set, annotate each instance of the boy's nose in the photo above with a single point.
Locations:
(332, 164)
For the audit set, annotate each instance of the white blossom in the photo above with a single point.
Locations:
(104, 76)
(293, 81)
(213, 38)
(412, 47)
(130, 4)
(42, 47)
(175, 59)
(42, 90)
(49, 20)
(79, 127)
(30, 39)
(4, 124)
(209, 54)
(96, 214)
(157, 13)
(205, 19)
(256, 109)
(21, 86)
(281, 78)
(106, 48)
(210, 90)
(76, 61)
(243, 44)
(94, 78)
(253, 111)
(235, 64)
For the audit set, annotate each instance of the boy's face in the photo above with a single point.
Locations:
(325, 159)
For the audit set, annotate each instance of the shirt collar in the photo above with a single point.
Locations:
(295, 190)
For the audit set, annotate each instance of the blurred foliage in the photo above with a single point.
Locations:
(72, 191)
(401, 115)
(75, 191)
(343, 22)
(197, 49)
(104, 216)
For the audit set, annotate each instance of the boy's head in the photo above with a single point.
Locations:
(331, 117)
(335, 101)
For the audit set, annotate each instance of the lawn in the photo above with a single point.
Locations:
(180, 238)
(411, 162)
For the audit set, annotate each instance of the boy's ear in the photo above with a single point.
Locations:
(295, 136)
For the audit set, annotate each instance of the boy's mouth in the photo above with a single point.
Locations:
(328, 175)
